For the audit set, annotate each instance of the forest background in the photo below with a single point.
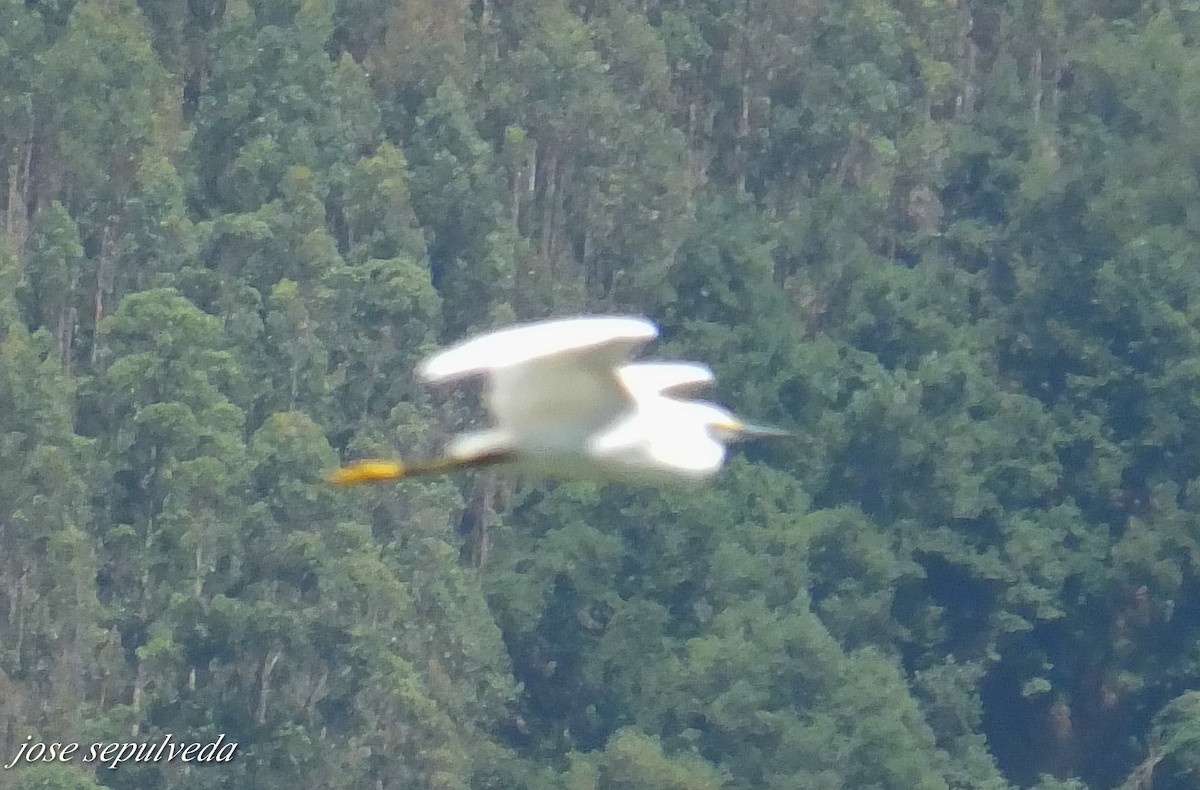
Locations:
(953, 244)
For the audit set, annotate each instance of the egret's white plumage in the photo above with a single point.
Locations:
(664, 377)
(566, 402)
(545, 376)
(609, 338)
(665, 438)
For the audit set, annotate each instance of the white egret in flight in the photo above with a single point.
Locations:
(566, 403)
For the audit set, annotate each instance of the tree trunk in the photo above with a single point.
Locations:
(16, 220)
(105, 276)
(514, 210)
(967, 54)
(558, 216)
(743, 133)
(742, 137)
(264, 684)
(1035, 77)
(20, 611)
(198, 583)
(549, 178)
(139, 688)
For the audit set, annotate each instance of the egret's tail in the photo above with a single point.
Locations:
(367, 472)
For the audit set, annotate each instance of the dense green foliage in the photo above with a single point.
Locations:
(954, 245)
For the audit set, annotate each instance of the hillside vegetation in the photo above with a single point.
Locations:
(953, 244)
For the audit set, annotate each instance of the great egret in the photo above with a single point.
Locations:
(566, 403)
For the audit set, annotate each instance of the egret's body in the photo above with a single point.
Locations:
(567, 403)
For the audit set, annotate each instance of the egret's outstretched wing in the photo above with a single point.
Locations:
(691, 445)
(694, 456)
(603, 340)
(663, 378)
(546, 376)
(668, 437)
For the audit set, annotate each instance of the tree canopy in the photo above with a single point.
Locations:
(952, 245)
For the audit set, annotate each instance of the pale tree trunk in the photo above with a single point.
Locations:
(141, 678)
(78, 648)
(968, 53)
(519, 177)
(16, 220)
(139, 688)
(19, 601)
(743, 132)
(1056, 75)
(1142, 777)
(593, 277)
(111, 659)
(549, 167)
(524, 192)
(14, 714)
(105, 274)
(1045, 109)
(264, 684)
(318, 694)
(60, 333)
(741, 143)
(558, 217)
(198, 583)
(1038, 86)
(480, 509)
(548, 175)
